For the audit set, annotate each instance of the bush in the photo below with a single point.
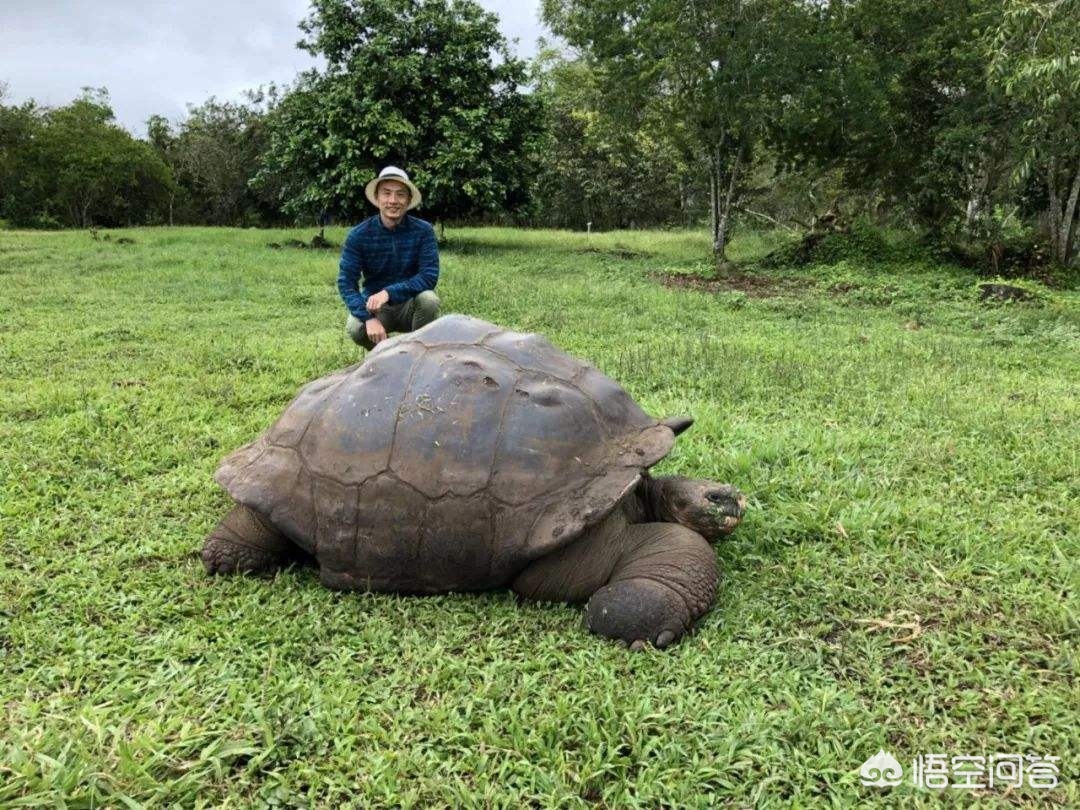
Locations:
(860, 242)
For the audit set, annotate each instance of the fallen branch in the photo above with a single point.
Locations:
(769, 219)
(888, 623)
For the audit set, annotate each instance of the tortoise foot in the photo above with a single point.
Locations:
(638, 612)
(242, 543)
(222, 556)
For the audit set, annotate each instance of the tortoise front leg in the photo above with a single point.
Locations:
(243, 542)
(663, 582)
(648, 582)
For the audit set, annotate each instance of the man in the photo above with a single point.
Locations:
(398, 260)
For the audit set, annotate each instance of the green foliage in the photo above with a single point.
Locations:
(214, 154)
(606, 169)
(718, 71)
(935, 107)
(18, 127)
(1036, 63)
(862, 242)
(907, 452)
(903, 108)
(428, 85)
(74, 166)
(956, 117)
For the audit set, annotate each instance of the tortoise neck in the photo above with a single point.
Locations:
(651, 497)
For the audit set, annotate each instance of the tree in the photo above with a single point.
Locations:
(81, 169)
(602, 168)
(1036, 62)
(425, 84)
(162, 140)
(901, 107)
(217, 153)
(721, 70)
(18, 128)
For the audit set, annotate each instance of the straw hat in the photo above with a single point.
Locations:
(393, 173)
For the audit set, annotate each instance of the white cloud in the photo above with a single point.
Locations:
(158, 57)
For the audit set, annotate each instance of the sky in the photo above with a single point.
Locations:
(157, 57)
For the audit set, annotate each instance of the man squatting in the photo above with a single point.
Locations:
(397, 257)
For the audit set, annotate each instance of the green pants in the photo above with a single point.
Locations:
(408, 316)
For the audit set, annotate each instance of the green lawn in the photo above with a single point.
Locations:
(905, 579)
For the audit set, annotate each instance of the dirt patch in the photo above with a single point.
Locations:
(751, 286)
(1004, 292)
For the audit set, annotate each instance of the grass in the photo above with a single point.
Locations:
(912, 458)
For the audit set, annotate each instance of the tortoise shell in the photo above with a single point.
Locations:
(447, 460)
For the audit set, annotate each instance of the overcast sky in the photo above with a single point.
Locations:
(158, 57)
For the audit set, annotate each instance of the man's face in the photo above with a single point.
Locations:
(393, 198)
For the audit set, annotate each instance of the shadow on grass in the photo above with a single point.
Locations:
(480, 246)
(477, 246)
(616, 252)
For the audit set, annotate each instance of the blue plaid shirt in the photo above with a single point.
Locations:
(403, 261)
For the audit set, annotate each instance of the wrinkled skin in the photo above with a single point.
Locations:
(647, 570)
(710, 509)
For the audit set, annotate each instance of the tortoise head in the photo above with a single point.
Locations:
(712, 510)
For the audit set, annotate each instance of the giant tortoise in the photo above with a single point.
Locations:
(464, 457)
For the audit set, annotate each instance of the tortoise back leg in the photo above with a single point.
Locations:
(243, 542)
(663, 582)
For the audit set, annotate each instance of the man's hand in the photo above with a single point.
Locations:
(376, 332)
(375, 303)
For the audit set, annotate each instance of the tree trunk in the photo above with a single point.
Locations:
(80, 212)
(714, 196)
(1054, 210)
(1069, 221)
(722, 208)
(978, 201)
(1062, 214)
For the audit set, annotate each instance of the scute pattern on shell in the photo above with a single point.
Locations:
(447, 460)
